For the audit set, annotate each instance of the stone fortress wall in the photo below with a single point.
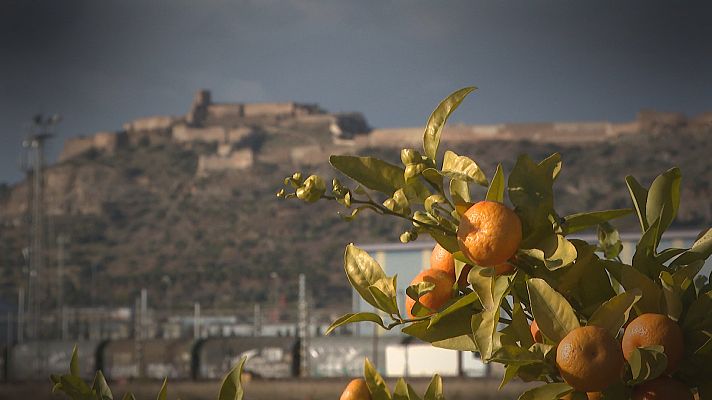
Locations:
(228, 124)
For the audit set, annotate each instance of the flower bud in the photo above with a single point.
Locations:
(312, 189)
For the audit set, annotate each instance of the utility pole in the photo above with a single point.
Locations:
(20, 315)
(41, 132)
(196, 321)
(61, 241)
(302, 326)
(257, 326)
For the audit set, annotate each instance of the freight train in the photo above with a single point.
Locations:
(211, 358)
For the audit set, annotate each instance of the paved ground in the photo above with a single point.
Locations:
(310, 389)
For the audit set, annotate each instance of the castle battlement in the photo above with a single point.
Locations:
(228, 124)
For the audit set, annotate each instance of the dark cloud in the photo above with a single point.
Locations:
(100, 63)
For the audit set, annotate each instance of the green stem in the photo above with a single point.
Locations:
(384, 211)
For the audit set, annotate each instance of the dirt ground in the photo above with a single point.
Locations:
(292, 389)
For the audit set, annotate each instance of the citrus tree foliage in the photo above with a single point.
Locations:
(378, 389)
(74, 387)
(562, 282)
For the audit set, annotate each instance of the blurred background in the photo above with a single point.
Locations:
(142, 144)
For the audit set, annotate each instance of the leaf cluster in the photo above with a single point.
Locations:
(402, 391)
(74, 387)
(561, 282)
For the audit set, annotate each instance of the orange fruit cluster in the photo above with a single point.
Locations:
(590, 359)
(655, 329)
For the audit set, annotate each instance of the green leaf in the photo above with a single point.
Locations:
(401, 390)
(128, 396)
(231, 387)
(376, 385)
(163, 392)
(435, 389)
(413, 395)
(450, 333)
(554, 250)
(671, 295)
(495, 192)
(448, 242)
(462, 302)
(384, 292)
(451, 328)
(639, 195)
(515, 355)
(74, 387)
(491, 291)
(668, 254)
(530, 190)
(706, 347)
(350, 318)
(647, 363)
(417, 290)
(519, 326)
(610, 240)
(700, 250)
(362, 271)
(644, 257)
(101, 388)
(613, 314)
(371, 172)
(550, 391)
(698, 316)
(580, 221)
(552, 312)
(434, 177)
(510, 371)
(463, 168)
(552, 165)
(631, 278)
(459, 191)
(74, 363)
(489, 288)
(664, 199)
(437, 120)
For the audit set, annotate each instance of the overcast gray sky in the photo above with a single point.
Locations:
(101, 63)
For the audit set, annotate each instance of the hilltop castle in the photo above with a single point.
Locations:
(231, 126)
(315, 133)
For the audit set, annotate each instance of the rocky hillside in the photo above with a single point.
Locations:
(141, 213)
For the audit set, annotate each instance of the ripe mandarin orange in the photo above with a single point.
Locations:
(655, 329)
(589, 359)
(443, 260)
(357, 389)
(662, 388)
(436, 298)
(536, 333)
(489, 233)
(504, 269)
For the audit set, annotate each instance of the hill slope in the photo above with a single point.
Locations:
(219, 238)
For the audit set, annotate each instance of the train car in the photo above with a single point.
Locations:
(153, 359)
(268, 357)
(38, 360)
(341, 356)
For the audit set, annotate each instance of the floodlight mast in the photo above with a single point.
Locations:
(41, 131)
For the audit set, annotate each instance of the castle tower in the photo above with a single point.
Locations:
(199, 109)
